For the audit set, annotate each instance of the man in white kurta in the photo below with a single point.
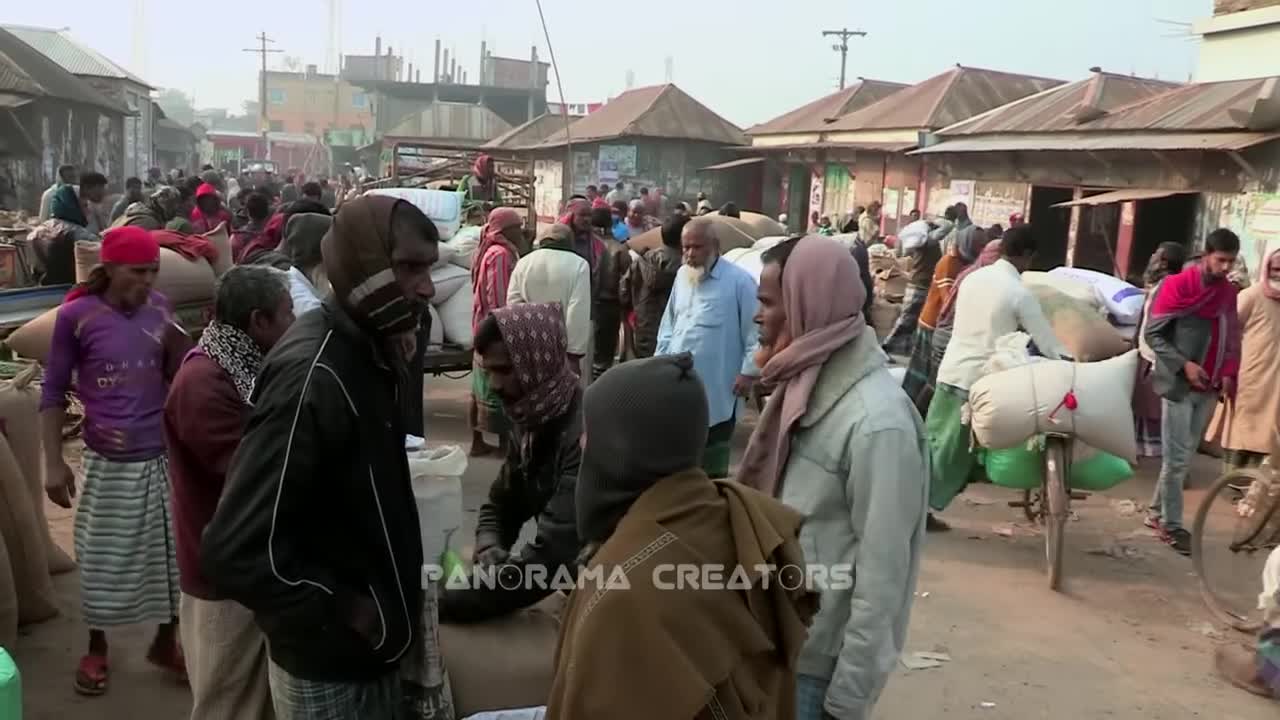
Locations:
(555, 273)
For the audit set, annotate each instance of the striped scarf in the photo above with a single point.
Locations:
(357, 257)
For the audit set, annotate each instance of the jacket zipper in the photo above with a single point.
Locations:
(395, 568)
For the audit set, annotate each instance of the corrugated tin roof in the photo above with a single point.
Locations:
(1232, 105)
(52, 80)
(13, 79)
(1125, 195)
(72, 55)
(942, 100)
(1086, 141)
(875, 146)
(1065, 107)
(818, 115)
(660, 111)
(529, 133)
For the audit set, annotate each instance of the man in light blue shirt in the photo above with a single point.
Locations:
(711, 315)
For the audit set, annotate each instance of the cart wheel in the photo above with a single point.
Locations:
(1239, 615)
(1056, 501)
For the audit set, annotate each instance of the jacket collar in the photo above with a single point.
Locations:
(845, 368)
(345, 325)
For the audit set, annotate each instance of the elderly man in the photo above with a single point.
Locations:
(555, 273)
(644, 504)
(204, 418)
(710, 314)
(316, 532)
(522, 351)
(840, 442)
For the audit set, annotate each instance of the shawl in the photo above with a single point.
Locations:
(499, 220)
(822, 296)
(1185, 294)
(235, 352)
(538, 343)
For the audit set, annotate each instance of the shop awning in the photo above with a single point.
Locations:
(1098, 141)
(1116, 196)
(733, 164)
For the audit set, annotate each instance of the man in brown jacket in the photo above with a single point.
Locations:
(649, 285)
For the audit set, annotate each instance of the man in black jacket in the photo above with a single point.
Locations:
(524, 350)
(317, 531)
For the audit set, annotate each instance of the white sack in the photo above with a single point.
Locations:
(533, 713)
(444, 207)
(455, 316)
(765, 243)
(913, 236)
(1010, 407)
(448, 279)
(1070, 287)
(1122, 300)
(436, 337)
(464, 244)
(436, 478)
(749, 259)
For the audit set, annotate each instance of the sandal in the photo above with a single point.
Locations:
(91, 675)
(170, 660)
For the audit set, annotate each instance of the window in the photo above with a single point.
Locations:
(359, 100)
(309, 127)
(276, 96)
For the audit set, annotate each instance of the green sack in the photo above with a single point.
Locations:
(10, 688)
(1101, 471)
(1018, 468)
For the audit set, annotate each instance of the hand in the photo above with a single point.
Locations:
(492, 555)
(742, 385)
(1196, 375)
(364, 617)
(1228, 388)
(60, 483)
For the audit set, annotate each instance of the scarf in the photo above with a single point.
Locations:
(538, 343)
(491, 236)
(822, 296)
(1185, 294)
(570, 209)
(235, 352)
(482, 169)
(357, 259)
(1270, 291)
(990, 254)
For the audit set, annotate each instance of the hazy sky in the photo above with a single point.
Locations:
(747, 59)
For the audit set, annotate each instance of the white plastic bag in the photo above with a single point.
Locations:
(1122, 300)
(913, 236)
(444, 207)
(436, 477)
(533, 713)
(448, 279)
(464, 244)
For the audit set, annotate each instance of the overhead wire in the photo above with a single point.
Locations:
(564, 107)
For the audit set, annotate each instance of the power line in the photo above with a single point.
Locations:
(263, 50)
(844, 34)
(564, 107)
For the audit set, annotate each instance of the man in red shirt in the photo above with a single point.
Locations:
(204, 417)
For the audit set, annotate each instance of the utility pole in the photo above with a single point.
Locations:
(844, 34)
(263, 122)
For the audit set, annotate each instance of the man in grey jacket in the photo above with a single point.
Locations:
(840, 442)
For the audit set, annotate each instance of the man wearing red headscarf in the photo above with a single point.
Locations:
(494, 260)
(481, 186)
(209, 212)
(117, 336)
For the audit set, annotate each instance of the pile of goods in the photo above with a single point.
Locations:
(734, 233)
(888, 273)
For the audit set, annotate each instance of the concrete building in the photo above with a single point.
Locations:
(1240, 41)
(317, 104)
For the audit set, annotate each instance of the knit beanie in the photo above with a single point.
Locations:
(646, 420)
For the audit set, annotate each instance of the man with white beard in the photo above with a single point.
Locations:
(711, 315)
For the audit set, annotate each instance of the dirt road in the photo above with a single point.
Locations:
(1127, 639)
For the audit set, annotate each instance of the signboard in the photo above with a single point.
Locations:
(584, 171)
(815, 196)
(616, 161)
(962, 192)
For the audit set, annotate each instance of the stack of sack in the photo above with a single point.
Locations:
(752, 259)
(28, 554)
(1078, 316)
(451, 306)
(444, 207)
(181, 280)
(890, 279)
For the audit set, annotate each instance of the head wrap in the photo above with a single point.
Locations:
(538, 344)
(571, 208)
(482, 168)
(499, 220)
(648, 421)
(822, 294)
(967, 239)
(1269, 290)
(357, 260)
(303, 233)
(128, 245)
(165, 202)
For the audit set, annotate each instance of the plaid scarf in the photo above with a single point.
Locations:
(357, 257)
(235, 352)
(536, 338)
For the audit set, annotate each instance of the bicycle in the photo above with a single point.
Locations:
(1050, 506)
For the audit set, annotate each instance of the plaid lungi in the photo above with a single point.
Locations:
(811, 695)
(298, 699)
(921, 371)
(715, 460)
(124, 543)
(899, 340)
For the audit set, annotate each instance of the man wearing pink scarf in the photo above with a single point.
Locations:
(840, 442)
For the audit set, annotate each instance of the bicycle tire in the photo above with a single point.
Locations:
(1055, 501)
(1217, 607)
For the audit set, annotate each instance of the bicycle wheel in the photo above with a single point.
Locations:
(1231, 601)
(1055, 500)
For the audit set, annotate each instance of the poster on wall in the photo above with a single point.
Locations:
(994, 202)
(1255, 217)
(908, 201)
(962, 192)
(616, 161)
(815, 196)
(584, 170)
(548, 188)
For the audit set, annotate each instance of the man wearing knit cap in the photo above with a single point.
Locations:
(644, 506)
(840, 442)
(522, 351)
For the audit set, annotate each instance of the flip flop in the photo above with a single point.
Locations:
(171, 662)
(91, 675)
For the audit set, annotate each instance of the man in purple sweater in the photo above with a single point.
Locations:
(204, 419)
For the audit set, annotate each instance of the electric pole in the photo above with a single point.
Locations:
(844, 34)
(263, 122)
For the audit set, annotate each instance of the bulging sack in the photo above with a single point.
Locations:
(1022, 468)
(464, 243)
(1081, 329)
(749, 259)
(455, 316)
(1009, 408)
(25, 542)
(35, 337)
(180, 280)
(1122, 300)
(1069, 286)
(448, 279)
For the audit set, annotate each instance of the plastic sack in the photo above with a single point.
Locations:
(455, 316)
(464, 243)
(444, 207)
(533, 713)
(1022, 468)
(448, 279)
(436, 476)
(1122, 300)
(749, 259)
(1008, 408)
(1010, 352)
(913, 236)
(10, 688)
(1071, 287)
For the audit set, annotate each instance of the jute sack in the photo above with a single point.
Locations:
(221, 241)
(23, 538)
(34, 338)
(1071, 287)
(20, 424)
(8, 600)
(763, 225)
(733, 233)
(1080, 328)
(883, 316)
(1007, 408)
(505, 663)
(180, 280)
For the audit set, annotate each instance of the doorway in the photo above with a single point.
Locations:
(1166, 219)
(1050, 225)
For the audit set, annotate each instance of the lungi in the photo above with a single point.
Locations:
(921, 370)
(899, 340)
(715, 460)
(124, 543)
(226, 658)
(488, 414)
(950, 450)
(298, 699)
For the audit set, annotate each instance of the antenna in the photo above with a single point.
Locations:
(670, 67)
(631, 79)
(844, 34)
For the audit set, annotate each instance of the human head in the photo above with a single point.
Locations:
(1221, 248)
(648, 421)
(154, 174)
(914, 215)
(620, 209)
(482, 168)
(672, 230)
(824, 221)
(371, 235)
(255, 300)
(1018, 246)
(592, 192)
(212, 177)
(257, 206)
(303, 233)
(700, 245)
(1271, 271)
(996, 231)
(962, 212)
(680, 208)
(701, 195)
(874, 209)
(68, 174)
(580, 215)
(93, 186)
(644, 193)
(850, 223)
(807, 284)
(1015, 220)
(950, 213)
(166, 202)
(130, 258)
(602, 219)
(207, 200)
(523, 349)
(730, 209)
(133, 188)
(635, 212)
(618, 186)
(312, 191)
(187, 194)
(1168, 259)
